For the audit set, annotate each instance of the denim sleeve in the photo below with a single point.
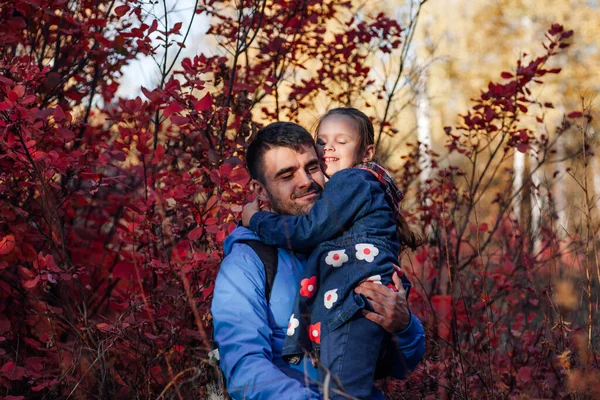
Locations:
(243, 334)
(411, 342)
(347, 196)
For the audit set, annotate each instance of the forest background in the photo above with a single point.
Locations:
(116, 193)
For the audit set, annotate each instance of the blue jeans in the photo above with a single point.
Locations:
(350, 354)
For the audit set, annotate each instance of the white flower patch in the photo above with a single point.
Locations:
(336, 258)
(292, 325)
(330, 298)
(374, 279)
(366, 252)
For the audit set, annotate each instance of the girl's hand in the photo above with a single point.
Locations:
(249, 210)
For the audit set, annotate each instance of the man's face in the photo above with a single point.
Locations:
(294, 180)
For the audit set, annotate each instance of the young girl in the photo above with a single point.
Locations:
(354, 233)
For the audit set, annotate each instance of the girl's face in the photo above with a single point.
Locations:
(338, 140)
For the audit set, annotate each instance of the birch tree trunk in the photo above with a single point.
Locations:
(558, 189)
(518, 172)
(423, 111)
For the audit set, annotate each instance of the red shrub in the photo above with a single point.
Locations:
(113, 212)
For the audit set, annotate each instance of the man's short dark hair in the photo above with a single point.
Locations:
(277, 134)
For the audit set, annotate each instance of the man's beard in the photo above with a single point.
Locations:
(289, 206)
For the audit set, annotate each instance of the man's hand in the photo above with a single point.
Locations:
(249, 210)
(390, 306)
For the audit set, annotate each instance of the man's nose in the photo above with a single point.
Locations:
(305, 179)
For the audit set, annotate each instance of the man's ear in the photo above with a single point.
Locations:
(259, 189)
(369, 153)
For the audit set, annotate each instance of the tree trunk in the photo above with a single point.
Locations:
(423, 112)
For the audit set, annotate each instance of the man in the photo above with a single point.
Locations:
(249, 330)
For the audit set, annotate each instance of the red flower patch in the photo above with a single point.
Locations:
(308, 287)
(314, 332)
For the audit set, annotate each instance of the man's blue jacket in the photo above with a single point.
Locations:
(250, 333)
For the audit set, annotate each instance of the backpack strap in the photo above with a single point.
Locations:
(268, 256)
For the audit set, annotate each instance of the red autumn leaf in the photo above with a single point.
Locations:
(506, 75)
(195, 233)
(172, 108)
(66, 134)
(59, 114)
(212, 201)
(179, 120)
(555, 29)
(121, 10)
(176, 28)
(204, 103)
(7, 244)
(32, 283)
(215, 177)
(525, 374)
(225, 170)
(575, 114)
(104, 327)
(28, 99)
(159, 154)
(240, 176)
(153, 95)
(567, 34)
(12, 372)
(153, 26)
(509, 266)
(19, 90)
(13, 96)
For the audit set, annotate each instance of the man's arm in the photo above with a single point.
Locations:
(411, 342)
(346, 196)
(243, 334)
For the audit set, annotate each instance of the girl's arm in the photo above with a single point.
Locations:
(347, 196)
